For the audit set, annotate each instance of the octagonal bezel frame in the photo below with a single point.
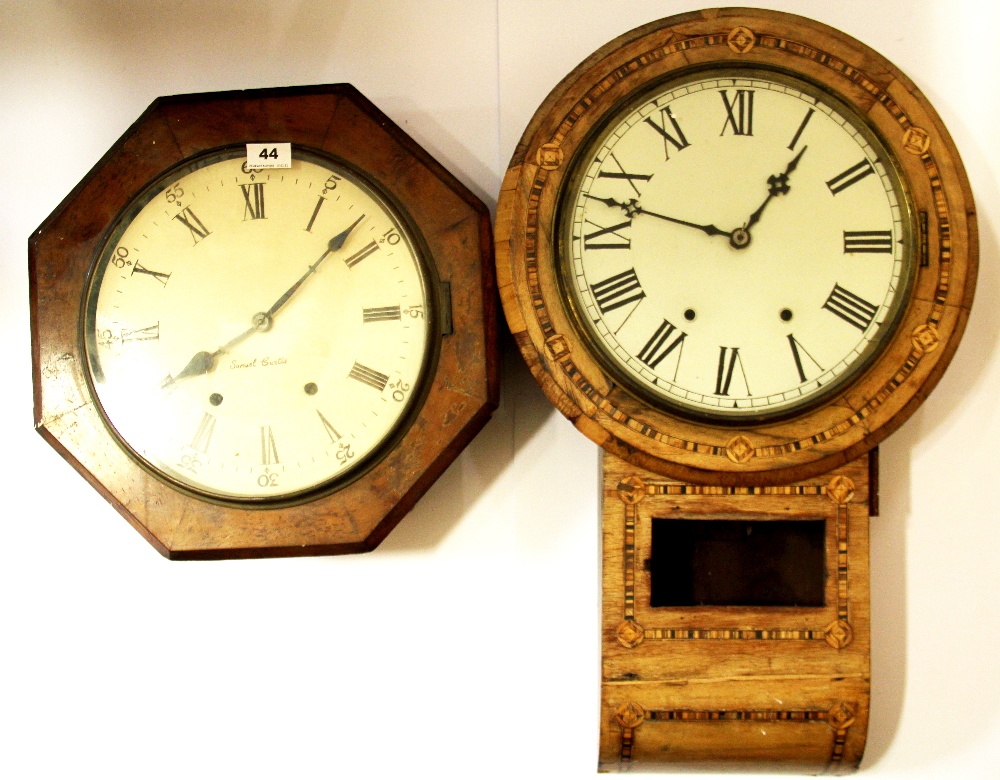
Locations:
(462, 392)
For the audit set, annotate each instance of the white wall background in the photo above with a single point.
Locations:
(467, 644)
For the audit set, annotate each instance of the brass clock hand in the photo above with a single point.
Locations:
(776, 185)
(204, 362)
(632, 207)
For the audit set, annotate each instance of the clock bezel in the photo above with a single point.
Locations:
(562, 228)
(429, 280)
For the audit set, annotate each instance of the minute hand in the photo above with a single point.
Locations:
(632, 207)
(711, 230)
(335, 243)
(204, 362)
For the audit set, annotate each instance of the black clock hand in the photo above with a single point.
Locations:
(776, 185)
(201, 363)
(335, 243)
(204, 362)
(632, 207)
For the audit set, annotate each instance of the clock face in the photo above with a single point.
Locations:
(256, 335)
(737, 245)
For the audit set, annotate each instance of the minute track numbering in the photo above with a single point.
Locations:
(257, 335)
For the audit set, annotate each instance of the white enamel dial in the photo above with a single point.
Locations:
(258, 334)
(736, 244)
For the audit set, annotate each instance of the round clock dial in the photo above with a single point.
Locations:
(736, 243)
(256, 335)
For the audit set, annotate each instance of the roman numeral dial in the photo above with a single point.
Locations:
(618, 290)
(665, 124)
(193, 223)
(607, 236)
(256, 334)
(735, 246)
(253, 200)
(739, 111)
(850, 176)
(665, 340)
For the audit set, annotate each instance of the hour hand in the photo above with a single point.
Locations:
(201, 363)
(204, 362)
(776, 185)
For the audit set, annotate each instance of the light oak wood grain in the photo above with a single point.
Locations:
(555, 344)
(727, 687)
(736, 688)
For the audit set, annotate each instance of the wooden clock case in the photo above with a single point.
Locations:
(736, 682)
(463, 390)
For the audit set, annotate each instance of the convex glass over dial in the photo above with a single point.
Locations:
(259, 334)
(737, 244)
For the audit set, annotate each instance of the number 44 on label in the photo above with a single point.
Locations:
(269, 155)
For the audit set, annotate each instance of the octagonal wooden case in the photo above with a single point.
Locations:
(455, 228)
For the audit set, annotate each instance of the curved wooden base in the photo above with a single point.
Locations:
(735, 688)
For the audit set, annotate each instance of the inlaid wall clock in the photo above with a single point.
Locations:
(737, 249)
(250, 360)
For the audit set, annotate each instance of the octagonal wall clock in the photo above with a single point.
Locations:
(737, 248)
(248, 360)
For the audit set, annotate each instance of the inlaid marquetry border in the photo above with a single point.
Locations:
(775, 451)
(554, 149)
(630, 717)
(633, 490)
